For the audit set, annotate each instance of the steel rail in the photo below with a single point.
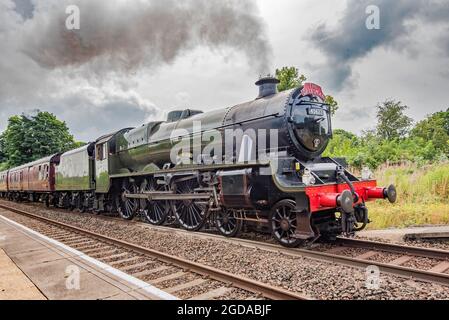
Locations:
(397, 270)
(257, 287)
(395, 248)
(423, 275)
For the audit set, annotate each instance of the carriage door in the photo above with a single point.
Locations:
(102, 167)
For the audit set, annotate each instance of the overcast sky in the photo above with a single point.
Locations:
(132, 61)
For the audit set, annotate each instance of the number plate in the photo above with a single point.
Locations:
(315, 112)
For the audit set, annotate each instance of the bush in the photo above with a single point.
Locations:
(372, 151)
(414, 183)
(423, 196)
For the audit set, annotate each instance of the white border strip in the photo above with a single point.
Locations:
(139, 283)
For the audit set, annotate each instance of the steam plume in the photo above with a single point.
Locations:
(125, 35)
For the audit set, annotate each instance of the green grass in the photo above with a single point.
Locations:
(423, 196)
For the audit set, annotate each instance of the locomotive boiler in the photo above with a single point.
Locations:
(256, 164)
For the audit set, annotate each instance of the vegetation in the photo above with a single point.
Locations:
(395, 140)
(289, 78)
(31, 137)
(436, 129)
(423, 196)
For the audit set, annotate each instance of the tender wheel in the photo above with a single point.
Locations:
(155, 212)
(228, 222)
(283, 223)
(127, 207)
(190, 214)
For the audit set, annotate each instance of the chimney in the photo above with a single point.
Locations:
(267, 86)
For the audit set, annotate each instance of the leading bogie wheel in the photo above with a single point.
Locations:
(283, 223)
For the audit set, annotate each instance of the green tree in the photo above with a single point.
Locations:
(290, 78)
(3, 158)
(31, 137)
(2, 148)
(343, 144)
(333, 105)
(435, 128)
(392, 123)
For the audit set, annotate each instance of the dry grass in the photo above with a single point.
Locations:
(423, 196)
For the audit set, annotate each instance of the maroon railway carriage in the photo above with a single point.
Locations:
(33, 178)
(3, 183)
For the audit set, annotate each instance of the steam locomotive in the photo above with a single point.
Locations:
(271, 177)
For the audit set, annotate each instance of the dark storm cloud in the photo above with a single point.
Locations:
(350, 40)
(88, 112)
(25, 8)
(119, 36)
(108, 117)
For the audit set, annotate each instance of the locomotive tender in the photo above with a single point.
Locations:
(286, 187)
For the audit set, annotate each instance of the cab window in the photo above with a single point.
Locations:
(101, 152)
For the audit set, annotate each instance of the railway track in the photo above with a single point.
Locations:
(389, 258)
(157, 268)
(401, 254)
(367, 257)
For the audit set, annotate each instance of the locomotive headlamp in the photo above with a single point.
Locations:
(307, 178)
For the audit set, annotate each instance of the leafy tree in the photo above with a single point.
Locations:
(2, 148)
(392, 123)
(332, 104)
(435, 128)
(343, 144)
(31, 137)
(290, 78)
